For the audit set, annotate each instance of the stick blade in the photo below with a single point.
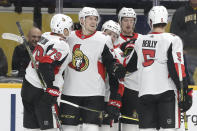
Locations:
(14, 37)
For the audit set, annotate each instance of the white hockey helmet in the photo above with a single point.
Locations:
(158, 14)
(88, 11)
(127, 12)
(59, 22)
(112, 26)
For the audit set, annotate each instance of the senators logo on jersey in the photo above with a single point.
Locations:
(80, 61)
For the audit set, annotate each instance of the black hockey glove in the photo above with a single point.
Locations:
(113, 109)
(127, 46)
(187, 100)
(50, 96)
(119, 71)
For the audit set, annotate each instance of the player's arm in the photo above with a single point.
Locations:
(49, 66)
(115, 100)
(111, 64)
(131, 62)
(128, 46)
(51, 62)
(59, 80)
(175, 56)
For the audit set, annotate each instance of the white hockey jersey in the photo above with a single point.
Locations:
(54, 47)
(131, 79)
(152, 53)
(85, 75)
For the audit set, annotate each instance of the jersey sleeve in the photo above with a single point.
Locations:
(175, 57)
(109, 42)
(56, 54)
(177, 54)
(131, 61)
(59, 81)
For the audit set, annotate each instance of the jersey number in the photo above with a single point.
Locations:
(57, 55)
(39, 54)
(149, 56)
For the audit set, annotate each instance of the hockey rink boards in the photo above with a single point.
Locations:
(11, 111)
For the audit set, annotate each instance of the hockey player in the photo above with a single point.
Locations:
(115, 87)
(127, 19)
(158, 56)
(84, 78)
(112, 29)
(50, 54)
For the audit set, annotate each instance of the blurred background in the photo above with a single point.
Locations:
(39, 13)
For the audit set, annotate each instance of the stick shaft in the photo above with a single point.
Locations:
(182, 94)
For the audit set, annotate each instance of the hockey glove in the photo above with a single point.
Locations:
(50, 96)
(187, 102)
(113, 109)
(127, 46)
(119, 71)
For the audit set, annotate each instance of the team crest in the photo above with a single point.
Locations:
(80, 61)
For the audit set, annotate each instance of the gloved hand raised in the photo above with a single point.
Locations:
(119, 71)
(127, 46)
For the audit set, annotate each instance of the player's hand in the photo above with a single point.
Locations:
(127, 46)
(187, 100)
(113, 109)
(50, 96)
(119, 71)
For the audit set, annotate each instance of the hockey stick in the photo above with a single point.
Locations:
(78, 106)
(130, 118)
(38, 73)
(93, 110)
(14, 37)
(182, 96)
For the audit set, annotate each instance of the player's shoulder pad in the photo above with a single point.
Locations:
(45, 34)
(102, 37)
(73, 32)
(61, 44)
(139, 36)
(174, 36)
(175, 39)
(101, 34)
(135, 35)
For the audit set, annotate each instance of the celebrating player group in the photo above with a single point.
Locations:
(108, 80)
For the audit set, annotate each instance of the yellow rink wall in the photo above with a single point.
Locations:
(14, 85)
(8, 25)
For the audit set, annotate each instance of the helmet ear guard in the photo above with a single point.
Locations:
(112, 26)
(157, 15)
(59, 22)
